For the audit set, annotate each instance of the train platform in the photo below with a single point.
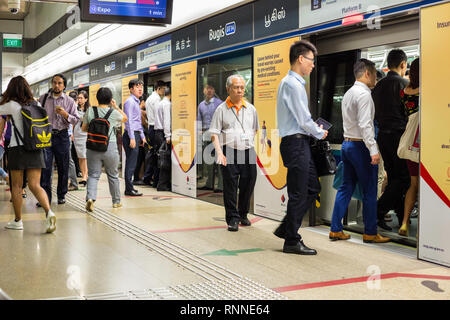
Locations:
(168, 246)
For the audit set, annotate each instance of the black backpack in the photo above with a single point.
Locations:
(36, 128)
(98, 132)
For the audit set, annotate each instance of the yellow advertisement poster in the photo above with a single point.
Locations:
(271, 64)
(184, 103)
(93, 94)
(434, 222)
(435, 99)
(125, 90)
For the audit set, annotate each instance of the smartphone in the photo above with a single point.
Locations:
(326, 125)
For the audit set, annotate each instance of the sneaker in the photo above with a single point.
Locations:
(117, 205)
(15, 225)
(90, 205)
(51, 222)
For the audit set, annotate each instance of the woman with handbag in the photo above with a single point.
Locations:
(409, 145)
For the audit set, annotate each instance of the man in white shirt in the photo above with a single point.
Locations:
(233, 129)
(150, 107)
(360, 154)
(163, 134)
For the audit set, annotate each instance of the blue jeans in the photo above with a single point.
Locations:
(357, 168)
(60, 149)
(131, 159)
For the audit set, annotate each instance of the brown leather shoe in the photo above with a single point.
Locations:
(375, 239)
(339, 236)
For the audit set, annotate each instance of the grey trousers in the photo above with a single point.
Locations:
(73, 182)
(109, 159)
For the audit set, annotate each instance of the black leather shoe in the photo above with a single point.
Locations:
(299, 248)
(233, 226)
(383, 225)
(280, 232)
(61, 201)
(245, 222)
(133, 193)
(204, 188)
(139, 183)
(148, 182)
(218, 190)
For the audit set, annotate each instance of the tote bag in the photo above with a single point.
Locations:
(409, 145)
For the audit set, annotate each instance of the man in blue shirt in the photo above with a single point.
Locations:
(133, 135)
(296, 127)
(205, 113)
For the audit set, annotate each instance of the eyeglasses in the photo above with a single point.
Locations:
(310, 59)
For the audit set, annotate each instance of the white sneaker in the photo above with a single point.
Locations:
(15, 225)
(51, 222)
(90, 205)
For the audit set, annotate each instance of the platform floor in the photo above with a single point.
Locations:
(167, 246)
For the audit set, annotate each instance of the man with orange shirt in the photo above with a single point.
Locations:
(233, 129)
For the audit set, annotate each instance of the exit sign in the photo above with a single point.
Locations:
(12, 40)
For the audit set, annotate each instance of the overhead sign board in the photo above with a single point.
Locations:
(314, 12)
(274, 17)
(229, 28)
(151, 12)
(183, 43)
(154, 52)
(81, 76)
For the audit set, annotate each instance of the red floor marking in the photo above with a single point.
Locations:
(254, 220)
(205, 194)
(355, 280)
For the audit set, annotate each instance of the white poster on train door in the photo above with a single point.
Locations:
(434, 194)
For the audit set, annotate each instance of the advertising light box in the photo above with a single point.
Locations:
(149, 12)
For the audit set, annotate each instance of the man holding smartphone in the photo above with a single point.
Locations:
(296, 128)
(62, 111)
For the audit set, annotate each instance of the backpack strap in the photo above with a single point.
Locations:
(19, 137)
(95, 112)
(108, 113)
(45, 99)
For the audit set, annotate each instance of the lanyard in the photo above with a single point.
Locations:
(237, 118)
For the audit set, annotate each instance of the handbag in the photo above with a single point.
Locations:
(164, 156)
(339, 179)
(409, 145)
(323, 157)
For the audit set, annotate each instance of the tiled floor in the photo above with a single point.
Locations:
(85, 256)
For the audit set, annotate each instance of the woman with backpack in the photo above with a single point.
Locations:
(102, 146)
(21, 160)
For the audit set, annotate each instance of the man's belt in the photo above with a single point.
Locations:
(298, 136)
(352, 139)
